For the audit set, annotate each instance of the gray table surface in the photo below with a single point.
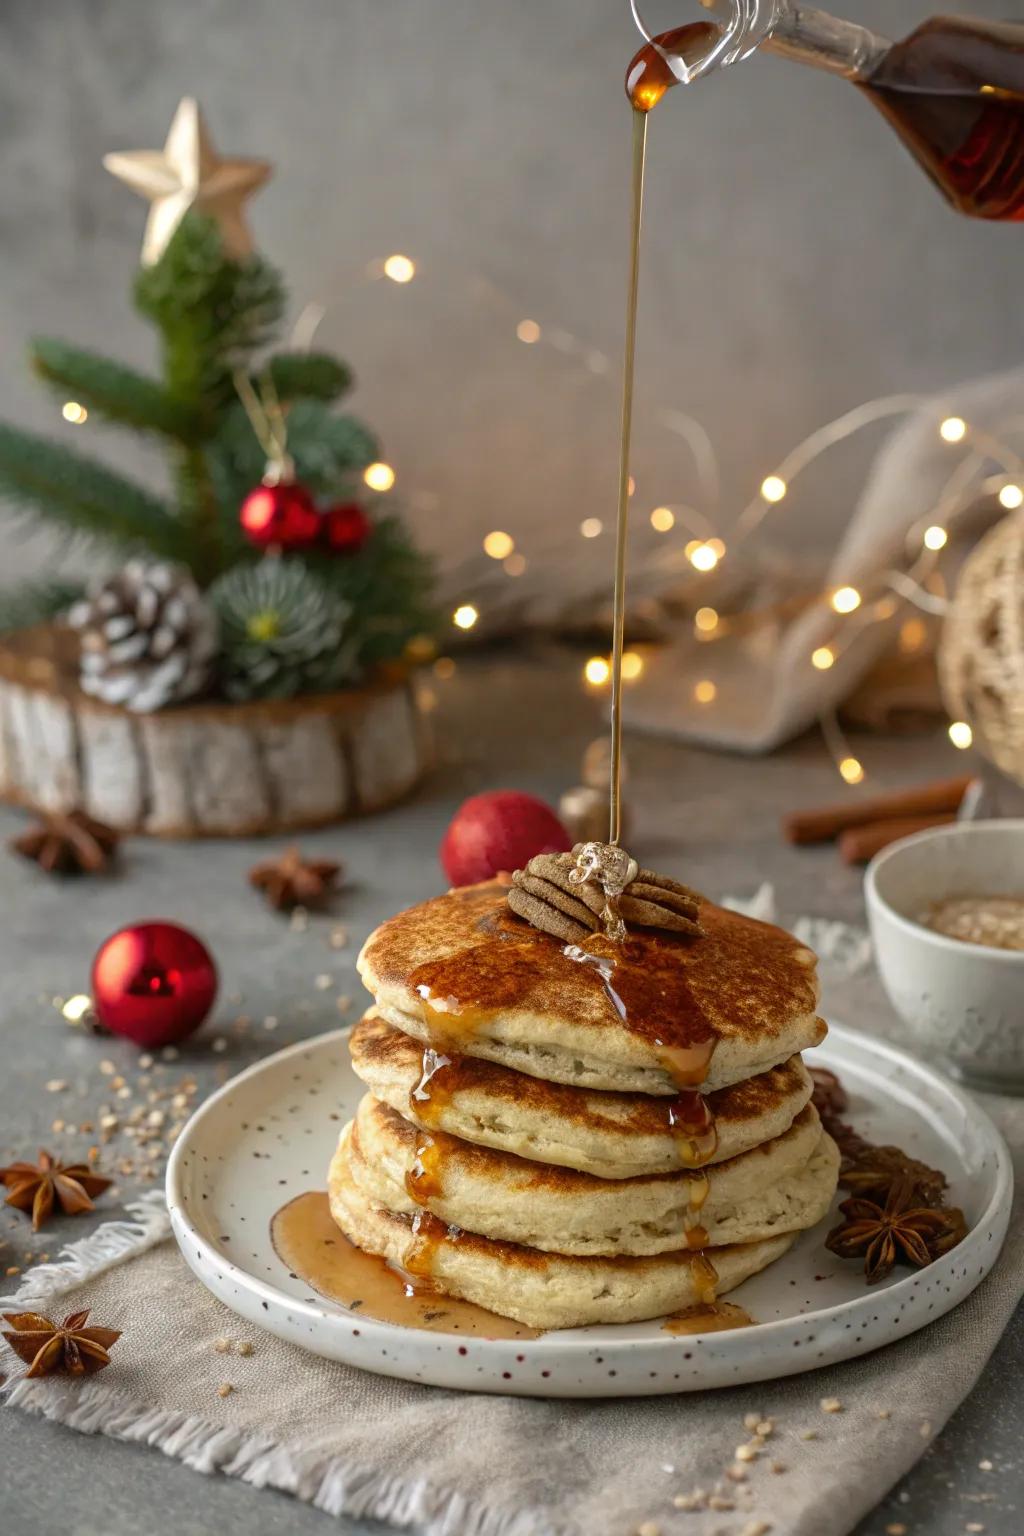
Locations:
(503, 721)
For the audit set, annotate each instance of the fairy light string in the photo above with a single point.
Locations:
(880, 596)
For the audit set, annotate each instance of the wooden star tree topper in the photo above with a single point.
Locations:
(188, 173)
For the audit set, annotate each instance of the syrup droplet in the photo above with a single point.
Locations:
(649, 75)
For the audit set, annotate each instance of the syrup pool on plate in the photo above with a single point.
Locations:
(313, 1249)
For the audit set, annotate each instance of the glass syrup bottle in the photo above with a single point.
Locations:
(953, 90)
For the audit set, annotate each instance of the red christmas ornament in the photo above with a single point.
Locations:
(154, 982)
(346, 528)
(499, 831)
(284, 515)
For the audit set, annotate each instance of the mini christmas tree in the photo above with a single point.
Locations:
(217, 308)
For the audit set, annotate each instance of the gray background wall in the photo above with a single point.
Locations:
(795, 263)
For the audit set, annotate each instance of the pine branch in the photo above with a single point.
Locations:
(83, 496)
(389, 586)
(212, 313)
(113, 391)
(35, 602)
(199, 514)
(312, 375)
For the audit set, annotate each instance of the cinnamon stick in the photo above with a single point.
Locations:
(859, 844)
(939, 798)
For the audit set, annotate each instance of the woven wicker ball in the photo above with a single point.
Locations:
(981, 652)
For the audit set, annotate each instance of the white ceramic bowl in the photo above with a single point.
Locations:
(964, 1002)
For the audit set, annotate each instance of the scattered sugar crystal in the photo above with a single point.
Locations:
(984, 1466)
(693, 1500)
(831, 1405)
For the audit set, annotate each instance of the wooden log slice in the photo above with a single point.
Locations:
(203, 770)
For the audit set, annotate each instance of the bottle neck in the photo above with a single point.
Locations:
(824, 42)
(792, 30)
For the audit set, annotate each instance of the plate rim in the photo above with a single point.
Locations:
(581, 1339)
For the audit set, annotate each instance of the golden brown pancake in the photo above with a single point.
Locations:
(543, 1290)
(611, 1135)
(785, 1185)
(463, 973)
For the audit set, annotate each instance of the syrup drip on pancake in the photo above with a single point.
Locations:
(424, 1180)
(429, 1232)
(696, 1235)
(313, 1249)
(692, 1124)
(435, 1087)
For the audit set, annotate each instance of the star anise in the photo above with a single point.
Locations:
(899, 1231)
(292, 881)
(69, 1346)
(37, 1187)
(873, 1171)
(72, 844)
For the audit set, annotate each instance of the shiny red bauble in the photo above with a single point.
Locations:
(153, 982)
(283, 515)
(499, 831)
(346, 528)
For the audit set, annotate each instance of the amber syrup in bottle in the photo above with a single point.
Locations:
(954, 92)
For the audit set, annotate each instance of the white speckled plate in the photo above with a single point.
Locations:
(269, 1134)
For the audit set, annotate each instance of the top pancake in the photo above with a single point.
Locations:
(463, 973)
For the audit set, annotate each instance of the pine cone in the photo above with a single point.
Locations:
(283, 632)
(148, 637)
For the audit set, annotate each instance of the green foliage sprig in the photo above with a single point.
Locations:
(213, 316)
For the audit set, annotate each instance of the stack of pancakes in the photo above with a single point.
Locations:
(573, 1134)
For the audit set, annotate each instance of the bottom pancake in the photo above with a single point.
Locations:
(543, 1290)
